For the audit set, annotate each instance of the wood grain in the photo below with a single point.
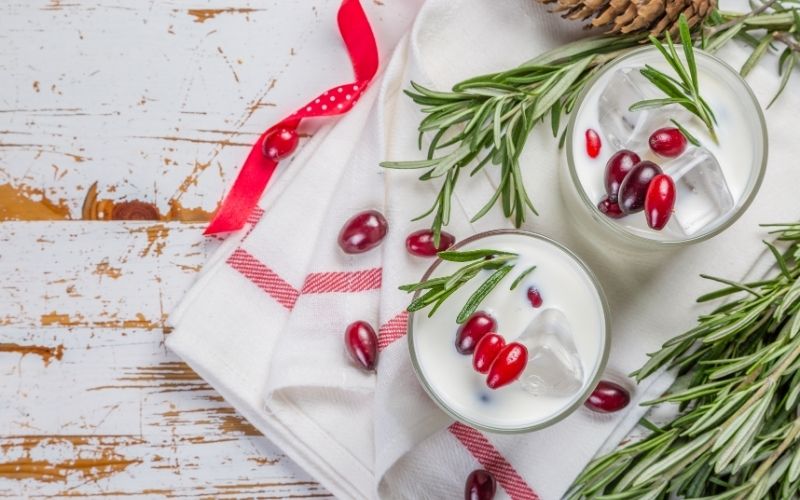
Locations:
(121, 124)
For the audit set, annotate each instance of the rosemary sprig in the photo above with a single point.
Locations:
(436, 290)
(683, 90)
(738, 433)
(486, 120)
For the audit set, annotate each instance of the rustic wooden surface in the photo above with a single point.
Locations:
(112, 111)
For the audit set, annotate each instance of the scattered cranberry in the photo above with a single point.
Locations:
(668, 141)
(608, 397)
(420, 243)
(486, 351)
(364, 231)
(617, 167)
(535, 297)
(593, 143)
(279, 144)
(634, 187)
(480, 486)
(362, 344)
(473, 330)
(660, 201)
(508, 365)
(610, 208)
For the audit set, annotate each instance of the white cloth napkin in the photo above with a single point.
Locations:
(264, 324)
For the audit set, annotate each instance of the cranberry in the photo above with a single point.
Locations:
(668, 141)
(608, 397)
(362, 344)
(508, 365)
(634, 187)
(480, 486)
(617, 167)
(279, 144)
(593, 143)
(610, 208)
(486, 350)
(362, 232)
(659, 202)
(473, 330)
(420, 243)
(535, 297)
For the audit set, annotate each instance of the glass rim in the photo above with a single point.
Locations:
(751, 189)
(580, 397)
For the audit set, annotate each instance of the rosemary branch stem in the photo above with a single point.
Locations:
(788, 40)
(763, 469)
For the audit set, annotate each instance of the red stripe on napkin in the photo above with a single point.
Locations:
(264, 278)
(491, 460)
(355, 281)
(392, 330)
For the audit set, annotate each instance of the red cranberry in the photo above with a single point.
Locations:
(420, 243)
(480, 486)
(617, 167)
(364, 231)
(535, 297)
(486, 351)
(362, 344)
(473, 330)
(610, 208)
(668, 141)
(608, 397)
(593, 143)
(659, 202)
(279, 144)
(634, 187)
(508, 365)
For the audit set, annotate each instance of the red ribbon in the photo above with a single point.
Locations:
(258, 169)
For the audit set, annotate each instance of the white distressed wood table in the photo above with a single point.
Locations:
(110, 111)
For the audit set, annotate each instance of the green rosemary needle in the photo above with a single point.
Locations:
(683, 90)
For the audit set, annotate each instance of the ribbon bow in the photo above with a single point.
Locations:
(280, 139)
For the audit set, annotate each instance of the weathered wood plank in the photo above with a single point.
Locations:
(153, 101)
(92, 402)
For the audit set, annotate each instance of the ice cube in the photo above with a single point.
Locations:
(627, 129)
(554, 367)
(702, 196)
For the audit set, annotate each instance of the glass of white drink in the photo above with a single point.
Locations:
(556, 313)
(712, 182)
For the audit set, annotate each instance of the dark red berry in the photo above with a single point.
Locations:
(593, 143)
(508, 365)
(480, 485)
(486, 351)
(535, 297)
(473, 330)
(279, 144)
(362, 344)
(610, 208)
(364, 231)
(420, 243)
(617, 168)
(608, 397)
(668, 141)
(634, 187)
(659, 201)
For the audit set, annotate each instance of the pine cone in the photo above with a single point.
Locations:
(635, 16)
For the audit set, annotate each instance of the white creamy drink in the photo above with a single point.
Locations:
(566, 338)
(714, 182)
